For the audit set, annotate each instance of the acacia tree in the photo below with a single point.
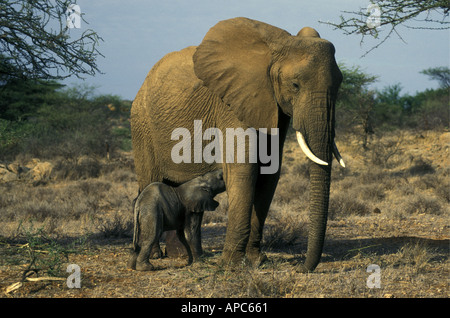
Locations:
(440, 74)
(380, 19)
(36, 42)
(356, 103)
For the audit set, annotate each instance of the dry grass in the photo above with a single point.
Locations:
(389, 207)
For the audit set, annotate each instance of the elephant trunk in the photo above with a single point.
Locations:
(319, 199)
(318, 130)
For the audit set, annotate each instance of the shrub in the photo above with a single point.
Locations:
(68, 202)
(343, 204)
(373, 192)
(77, 170)
(443, 191)
(421, 204)
(44, 254)
(417, 255)
(421, 167)
(68, 123)
(382, 153)
(284, 228)
(291, 188)
(117, 227)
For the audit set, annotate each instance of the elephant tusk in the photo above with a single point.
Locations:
(338, 155)
(307, 151)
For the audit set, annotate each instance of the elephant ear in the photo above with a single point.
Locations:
(233, 61)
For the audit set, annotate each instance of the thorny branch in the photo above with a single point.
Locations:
(35, 42)
(389, 14)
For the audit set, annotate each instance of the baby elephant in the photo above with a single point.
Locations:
(162, 208)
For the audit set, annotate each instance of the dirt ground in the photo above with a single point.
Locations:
(394, 215)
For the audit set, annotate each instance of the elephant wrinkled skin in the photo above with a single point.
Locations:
(161, 208)
(245, 73)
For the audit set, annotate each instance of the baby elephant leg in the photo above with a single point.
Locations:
(182, 238)
(142, 263)
(192, 230)
(149, 238)
(133, 258)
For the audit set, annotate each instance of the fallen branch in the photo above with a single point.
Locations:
(37, 279)
(13, 287)
(17, 285)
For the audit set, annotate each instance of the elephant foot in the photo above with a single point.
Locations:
(256, 259)
(156, 252)
(299, 267)
(132, 261)
(232, 259)
(144, 266)
(198, 259)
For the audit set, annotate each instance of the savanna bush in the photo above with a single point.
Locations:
(116, 227)
(424, 204)
(76, 170)
(69, 202)
(70, 123)
(420, 167)
(346, 204)
(291, 187)
(285, 226)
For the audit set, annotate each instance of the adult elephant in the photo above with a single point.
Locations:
(245, 73)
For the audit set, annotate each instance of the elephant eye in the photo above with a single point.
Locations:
(206, 189)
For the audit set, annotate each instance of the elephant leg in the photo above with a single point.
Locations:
(142, 263)
(264, 191)
(145, 163)
(132, 261)
(136, 248)
(240, 182)
(174, 248)
(182, 238)
(147, 241)
(192, 230)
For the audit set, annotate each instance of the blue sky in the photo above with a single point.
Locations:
(137, 33)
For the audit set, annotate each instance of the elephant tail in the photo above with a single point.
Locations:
(136, 209)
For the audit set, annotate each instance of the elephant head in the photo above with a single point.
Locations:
(198, 194)
(258, 69)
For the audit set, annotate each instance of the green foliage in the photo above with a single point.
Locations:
(363, 111)
(430, 109)
(12, 134)
(355, 104)
(43, 120)
(44, 253)
(355, 81)
(441, 74)
(390, 107)
(20, 99)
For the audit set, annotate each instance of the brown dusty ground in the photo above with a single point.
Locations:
(393, 214)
